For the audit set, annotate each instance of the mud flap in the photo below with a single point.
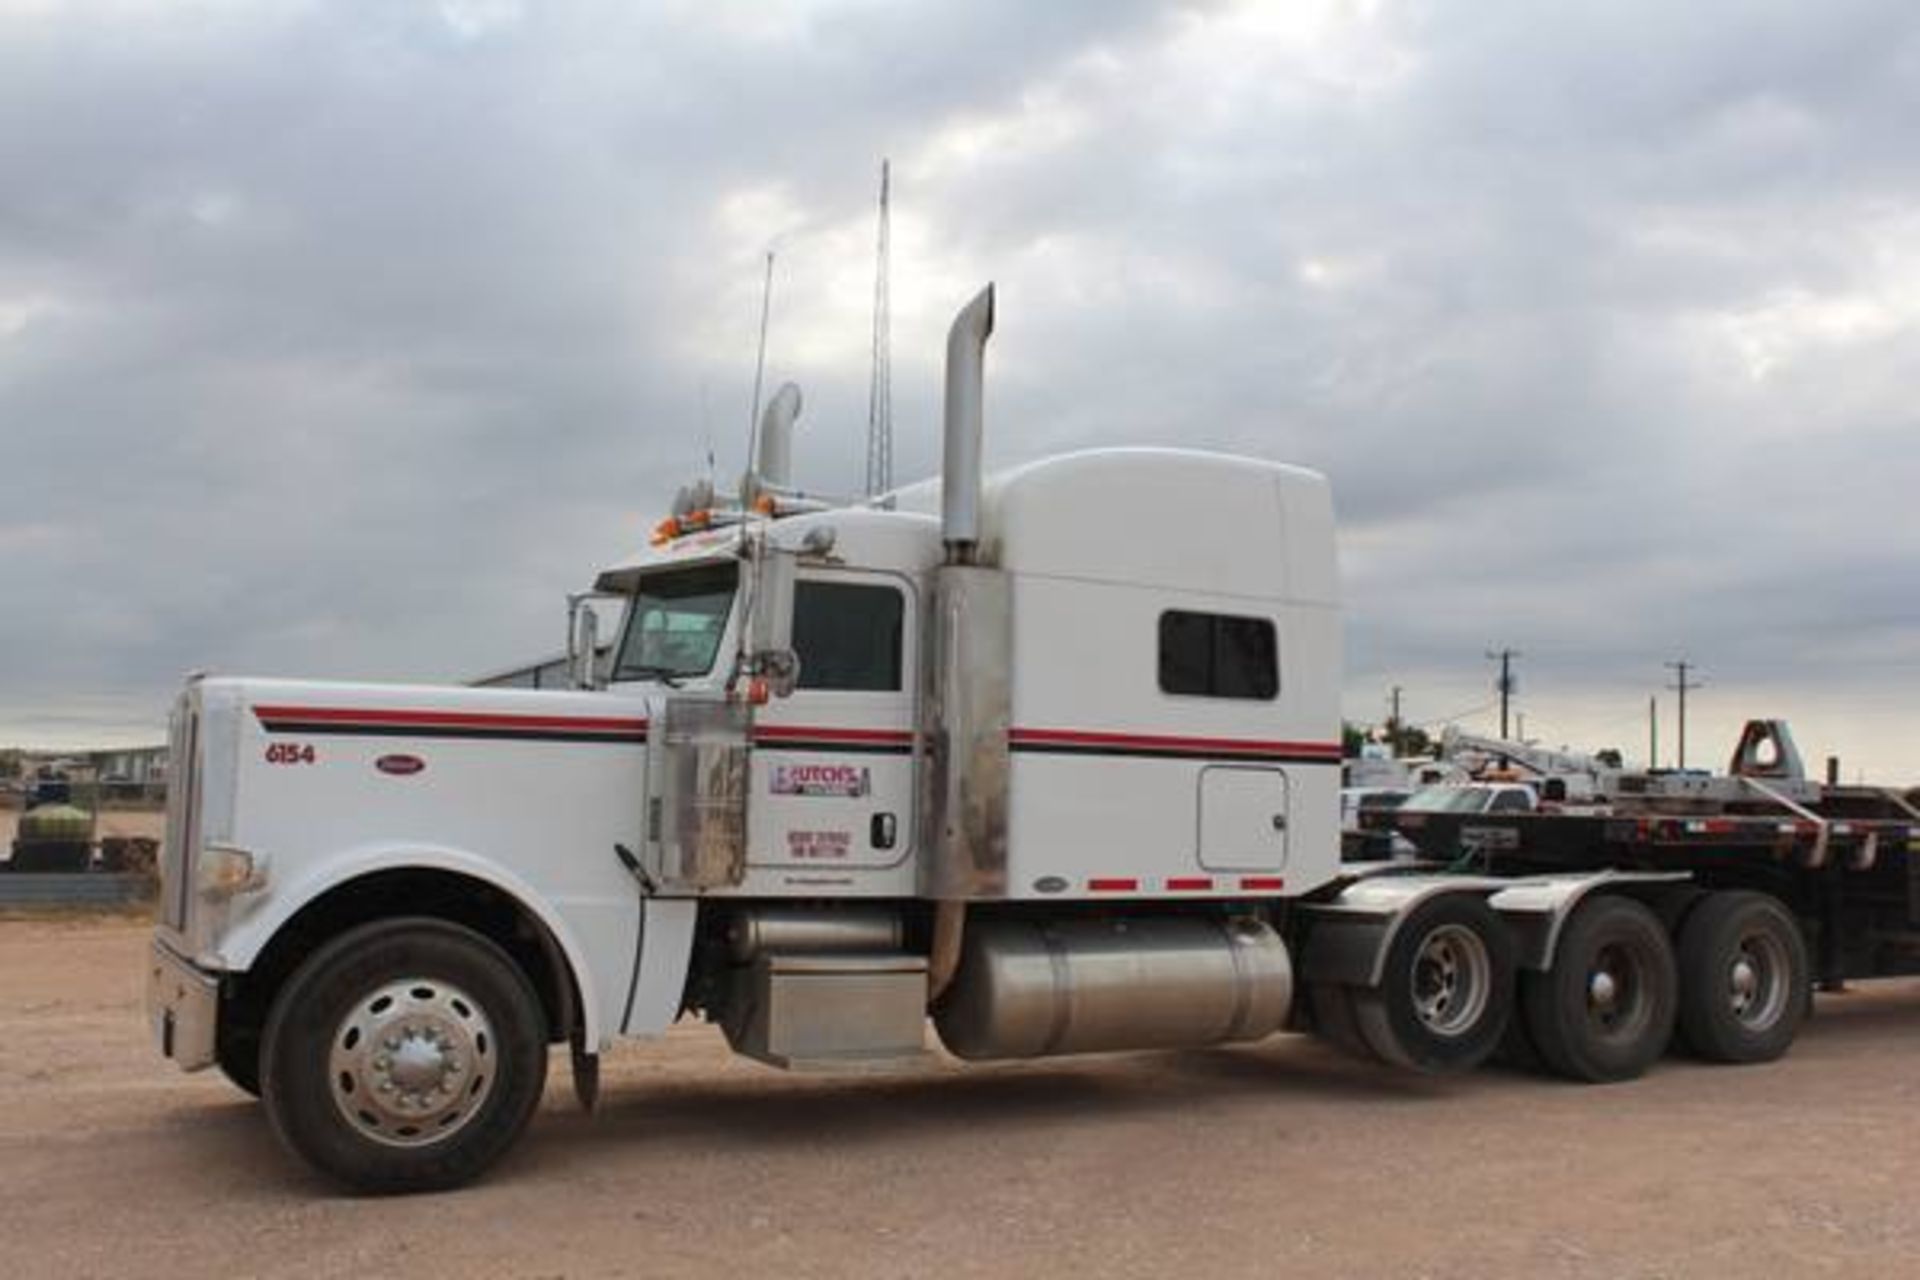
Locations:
(586, 1073)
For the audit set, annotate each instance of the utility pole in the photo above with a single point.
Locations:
(1682, 684)
(1505, 684)
(1398, 739)
(1653, 732)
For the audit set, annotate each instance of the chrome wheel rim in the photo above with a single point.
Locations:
(412, 1062)
(1757, 981)
(1452, 980)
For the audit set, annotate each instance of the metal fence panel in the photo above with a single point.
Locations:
(73, 889)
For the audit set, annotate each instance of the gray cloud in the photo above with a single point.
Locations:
(343, 340)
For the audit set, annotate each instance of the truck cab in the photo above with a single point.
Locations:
(1043, 757)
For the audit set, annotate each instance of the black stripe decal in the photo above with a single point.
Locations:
(1169, 753)
(834, 747)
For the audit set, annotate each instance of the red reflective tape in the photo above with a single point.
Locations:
(461, 719)
(1187, 884)
(1263, 882)
(1124, 884)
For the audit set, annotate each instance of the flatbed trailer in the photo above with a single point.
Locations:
(1843, 860)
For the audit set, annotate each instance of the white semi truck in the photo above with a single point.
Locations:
(1051, 759)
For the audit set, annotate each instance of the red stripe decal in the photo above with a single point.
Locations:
(1167, 742)
(460, 719)
(1188, 884)
(1113, 885)
(1263, 882)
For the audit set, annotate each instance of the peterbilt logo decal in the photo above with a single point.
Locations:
(852, 781)
(400, 766)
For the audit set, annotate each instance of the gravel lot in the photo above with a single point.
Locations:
(1282, 1159)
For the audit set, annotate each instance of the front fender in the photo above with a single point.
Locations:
(598, 938)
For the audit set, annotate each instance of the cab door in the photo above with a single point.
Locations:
(832, 764)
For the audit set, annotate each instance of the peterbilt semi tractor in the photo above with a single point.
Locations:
(1048, 759)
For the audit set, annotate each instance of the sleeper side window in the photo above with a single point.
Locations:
(1218, 655)
(848, 635)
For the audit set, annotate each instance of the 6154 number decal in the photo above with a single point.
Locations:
(290, 753)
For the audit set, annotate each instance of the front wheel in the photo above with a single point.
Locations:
(405, 1055)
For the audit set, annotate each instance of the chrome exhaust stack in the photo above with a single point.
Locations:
(967, 696)
(773, 467)
(960, 466)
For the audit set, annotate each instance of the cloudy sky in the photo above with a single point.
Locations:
(343, 339)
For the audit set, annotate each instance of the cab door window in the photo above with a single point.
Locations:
(848, 636)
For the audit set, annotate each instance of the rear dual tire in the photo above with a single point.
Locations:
(1620, 992)
(1605, 1010)
(1744, 979)
(1445, 993)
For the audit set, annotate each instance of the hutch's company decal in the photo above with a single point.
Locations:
(846, 780)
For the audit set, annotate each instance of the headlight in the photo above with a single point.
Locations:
(225, 872)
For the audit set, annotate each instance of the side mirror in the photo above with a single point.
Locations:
(583, 643)
(769, 622)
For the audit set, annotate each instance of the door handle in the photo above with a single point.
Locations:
(882, 831)
(1279, 822)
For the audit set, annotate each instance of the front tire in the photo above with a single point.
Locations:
(236, 1051)
(405, 1055)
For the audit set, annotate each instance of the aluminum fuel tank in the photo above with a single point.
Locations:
(1033, 988)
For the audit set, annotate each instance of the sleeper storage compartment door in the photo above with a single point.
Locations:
(1243, 818)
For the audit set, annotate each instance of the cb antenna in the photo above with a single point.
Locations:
(706, 424)
(759, 364)
(880, 392)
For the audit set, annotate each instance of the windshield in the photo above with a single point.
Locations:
(675, 624)
(1446, 799)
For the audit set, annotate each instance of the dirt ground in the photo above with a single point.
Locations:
(1278, 1160)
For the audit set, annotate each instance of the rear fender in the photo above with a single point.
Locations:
(1349, 936)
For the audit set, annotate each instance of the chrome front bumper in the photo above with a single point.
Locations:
(183, 1007)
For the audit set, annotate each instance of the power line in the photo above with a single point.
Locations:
(1457, 716)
